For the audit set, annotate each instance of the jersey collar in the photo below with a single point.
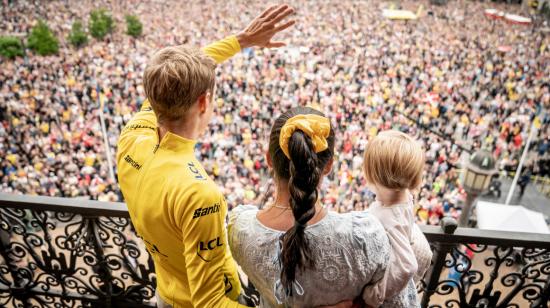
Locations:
(175, 143)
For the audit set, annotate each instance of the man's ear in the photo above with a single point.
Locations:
(203, 102)
(328, 167)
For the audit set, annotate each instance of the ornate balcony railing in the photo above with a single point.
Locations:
(57, 252)
(474, 268)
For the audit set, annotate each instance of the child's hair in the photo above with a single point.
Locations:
(394, 160)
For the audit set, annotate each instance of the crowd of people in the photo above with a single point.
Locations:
(454, 79)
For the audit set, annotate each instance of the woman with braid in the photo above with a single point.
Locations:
(297, 253)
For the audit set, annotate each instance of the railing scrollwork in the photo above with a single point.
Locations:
(498, 269)
(54, 258)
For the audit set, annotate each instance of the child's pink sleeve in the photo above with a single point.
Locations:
(403, 265)
(422, 251)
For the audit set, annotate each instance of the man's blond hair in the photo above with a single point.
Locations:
(394, 160)
(175, 78)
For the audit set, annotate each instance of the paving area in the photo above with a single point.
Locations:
(532, 199)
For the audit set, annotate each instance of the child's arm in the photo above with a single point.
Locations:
(422, 252)
(402, 266)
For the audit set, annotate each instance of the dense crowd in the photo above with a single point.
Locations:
(454, 79)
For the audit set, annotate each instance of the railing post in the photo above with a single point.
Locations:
(18, 289)
(449, 226)
(542, 301)
(103, 270)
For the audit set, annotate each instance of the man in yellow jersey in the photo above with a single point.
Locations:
(175, 207)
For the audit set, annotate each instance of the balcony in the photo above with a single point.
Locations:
(58, 252)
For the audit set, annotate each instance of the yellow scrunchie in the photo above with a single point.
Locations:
(315, 126)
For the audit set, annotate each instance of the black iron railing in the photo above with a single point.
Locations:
(474, 268)
(57, 252)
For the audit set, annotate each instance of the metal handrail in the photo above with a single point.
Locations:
(119, 209)
(70, 205)
(487, 237)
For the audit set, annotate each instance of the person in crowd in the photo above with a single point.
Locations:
(524, 179)
(174, 205)
(295, 251)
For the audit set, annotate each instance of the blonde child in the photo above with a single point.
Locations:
(393, 167)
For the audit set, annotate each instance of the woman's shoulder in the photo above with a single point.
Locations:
(363, 228)
(245, 208)
(240, 220)
(249, 241)
(368, 229)
(362, 222)
(241, 212)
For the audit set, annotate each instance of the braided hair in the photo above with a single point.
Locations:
(303, 171)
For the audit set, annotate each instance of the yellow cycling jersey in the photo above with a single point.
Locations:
(177, 210)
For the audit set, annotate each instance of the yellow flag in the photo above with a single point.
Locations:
(537, 123)
(419, 11)
(101, 100)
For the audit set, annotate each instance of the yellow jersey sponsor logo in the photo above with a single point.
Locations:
(132, 162)
(203, 211)
(205, 246)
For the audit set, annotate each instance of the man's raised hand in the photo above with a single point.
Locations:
(262, 29)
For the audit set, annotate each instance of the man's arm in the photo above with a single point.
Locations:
(205, 248)
(258, 33)
(223, 49)
(230, 269)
